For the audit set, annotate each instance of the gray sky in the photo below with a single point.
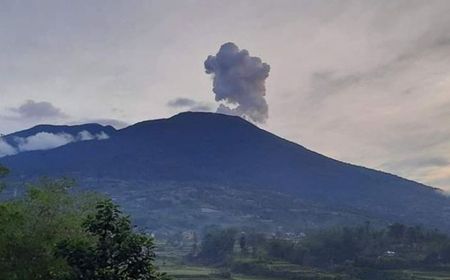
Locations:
(366, 82)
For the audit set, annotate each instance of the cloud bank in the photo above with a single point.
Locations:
(239, 81)
(46, 141)
(189, 105)
(43, 141)
(6, 149)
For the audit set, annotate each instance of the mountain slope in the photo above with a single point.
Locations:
(57, 129)
(45, 137)
(206, 149)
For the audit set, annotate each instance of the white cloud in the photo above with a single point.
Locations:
(6, 149)
(85, 136)
(43, 141)
(102, 136)
(47, 141)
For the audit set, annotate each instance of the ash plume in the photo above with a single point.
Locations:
(239, 82)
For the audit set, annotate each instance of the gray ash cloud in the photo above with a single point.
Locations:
(239, 82)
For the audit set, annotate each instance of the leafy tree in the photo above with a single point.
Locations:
(194, 244)
(397, 246)
(256, 242)
(3, 173)
(54, 233)
(397, 231)
(118, 253)
(217, 246)
(32, 224)
(243, 244)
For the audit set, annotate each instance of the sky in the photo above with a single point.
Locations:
(366, 82)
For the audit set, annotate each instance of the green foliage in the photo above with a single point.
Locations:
(243, 244)
(54, 233)
(359, 252)
(397, 231)
(217, 246)
(118, 253)
(398, 246)
(31, 225)
(3, 173)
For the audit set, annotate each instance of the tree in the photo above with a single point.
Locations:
(3, 173)
(396, 231)
(243, 244)
(194, 244)
(118, 252)
(54, 233)
(217, 245)
(32, 224)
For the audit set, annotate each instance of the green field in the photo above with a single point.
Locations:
(183, 272)
(175, 268)
(427, 275)
(189, 272)
(170, 260)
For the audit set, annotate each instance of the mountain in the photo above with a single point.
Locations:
(194, 169)
(44, 137)
(73, 130)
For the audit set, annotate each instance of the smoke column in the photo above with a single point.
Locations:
(239, 82)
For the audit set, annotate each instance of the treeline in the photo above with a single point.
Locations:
(396, 246)
(54, 233)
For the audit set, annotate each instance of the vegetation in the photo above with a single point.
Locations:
(217, 246)
(3, 173)
(358, 252)
(396, 246)
(117, 252)
(54, 233)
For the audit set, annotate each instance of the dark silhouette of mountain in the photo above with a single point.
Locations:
(212, 152)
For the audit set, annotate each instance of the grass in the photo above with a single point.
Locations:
(188, 272)
(427, 275)
(170, 261)
(185, 272)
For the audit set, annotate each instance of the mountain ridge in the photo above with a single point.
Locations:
(88, 126)
(205, 149)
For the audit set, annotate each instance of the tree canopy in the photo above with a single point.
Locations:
(3, 173)
(118, 253)
(55, 233)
